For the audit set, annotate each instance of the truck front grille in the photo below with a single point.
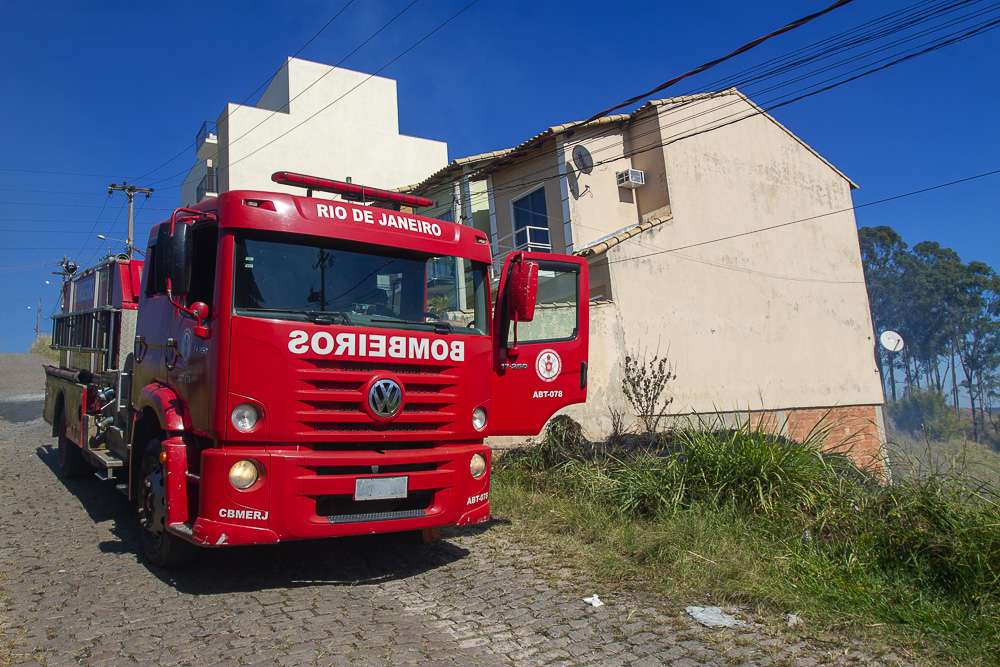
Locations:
(383, 469)
(331, 398)
(345, 509)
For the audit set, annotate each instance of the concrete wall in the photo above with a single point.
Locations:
(642, 139)
(597, 206)
(189, 187)
(772, 320)
(358, 136)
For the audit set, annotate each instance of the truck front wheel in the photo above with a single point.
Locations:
(71, 463)
(158, 546)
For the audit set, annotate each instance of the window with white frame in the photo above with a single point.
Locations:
(531, 222)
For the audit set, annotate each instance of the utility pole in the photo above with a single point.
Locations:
(130, 191)
(38, 319)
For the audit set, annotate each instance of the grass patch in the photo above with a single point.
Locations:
(743, 516)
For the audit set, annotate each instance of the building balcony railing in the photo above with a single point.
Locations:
(208, 186)
(530, 238)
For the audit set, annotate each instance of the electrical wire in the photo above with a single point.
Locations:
(737, 82)
(759, 230)
(262, 85)
(752, 44)
(803, 93)
(66, 205)
(382, 68)
(337, 65)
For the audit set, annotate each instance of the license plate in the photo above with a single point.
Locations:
(380, 488)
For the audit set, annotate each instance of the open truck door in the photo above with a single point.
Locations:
(540, 337)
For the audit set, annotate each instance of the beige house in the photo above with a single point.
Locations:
(715, 236)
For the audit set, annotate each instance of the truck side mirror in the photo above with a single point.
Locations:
(523, 291)
(178, 267)
(171, 264)
(199, 311)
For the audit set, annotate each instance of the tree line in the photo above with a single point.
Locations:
(948, 313)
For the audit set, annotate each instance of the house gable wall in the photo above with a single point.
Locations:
(771, 320)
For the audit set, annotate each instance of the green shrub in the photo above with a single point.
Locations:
(935, 532)
(940, 534)
(926, 411)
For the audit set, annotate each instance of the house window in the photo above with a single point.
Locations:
(531, 222)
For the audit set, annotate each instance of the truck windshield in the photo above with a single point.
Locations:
(321, 282)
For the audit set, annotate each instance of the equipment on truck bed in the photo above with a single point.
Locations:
(281, 367)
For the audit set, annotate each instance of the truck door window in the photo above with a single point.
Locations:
(556, 306)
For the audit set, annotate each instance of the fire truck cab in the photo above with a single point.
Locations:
(285, 367)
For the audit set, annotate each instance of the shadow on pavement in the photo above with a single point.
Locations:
(348, 561)
(19, 411)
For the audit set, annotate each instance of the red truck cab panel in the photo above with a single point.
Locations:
(540, 366)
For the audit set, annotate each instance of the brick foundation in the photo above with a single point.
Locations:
(855, 430)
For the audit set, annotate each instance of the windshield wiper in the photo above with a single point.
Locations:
(327, 316)
(438, 327)
(315, 316)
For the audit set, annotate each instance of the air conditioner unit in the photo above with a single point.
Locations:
(631, 178)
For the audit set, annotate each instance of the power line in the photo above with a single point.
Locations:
(340, 62)
(336, 65)
(56, 173)
(736, 117)
(733, 81)
(759, 230)
(66, 205)
(390, 62)
(302, 48)
(93, 227)
(797, 23)
(266, 81)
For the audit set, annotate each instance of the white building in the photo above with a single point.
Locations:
(314, 119)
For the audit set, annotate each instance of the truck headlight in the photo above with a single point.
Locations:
(479, 419)
(477, 465)
(243, 474)
(245, 417)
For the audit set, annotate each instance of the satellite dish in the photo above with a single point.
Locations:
(891, 341)
(582, 158)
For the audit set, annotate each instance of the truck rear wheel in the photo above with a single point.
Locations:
(158, 546)
(71, 463)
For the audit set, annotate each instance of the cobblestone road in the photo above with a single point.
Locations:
(72, 590)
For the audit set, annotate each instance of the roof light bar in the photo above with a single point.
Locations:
(349, 190)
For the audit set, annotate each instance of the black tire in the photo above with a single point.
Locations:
(71, 463)
(158, 546)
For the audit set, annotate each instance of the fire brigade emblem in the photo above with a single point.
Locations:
(548, 365)
(385, 398)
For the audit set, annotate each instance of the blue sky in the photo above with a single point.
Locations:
(112, 90)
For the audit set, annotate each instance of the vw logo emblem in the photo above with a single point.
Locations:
(385, 398)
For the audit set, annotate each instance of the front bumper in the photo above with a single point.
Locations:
(309, 493)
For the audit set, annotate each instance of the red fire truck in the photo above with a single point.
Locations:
(284, 367)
